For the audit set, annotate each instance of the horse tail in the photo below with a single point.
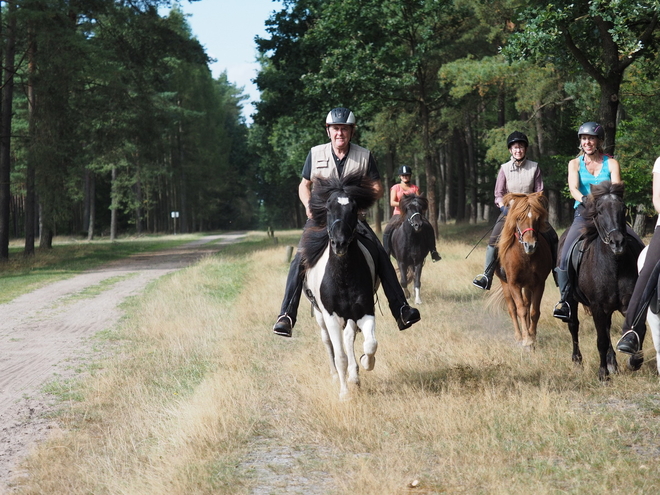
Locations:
(495, 301)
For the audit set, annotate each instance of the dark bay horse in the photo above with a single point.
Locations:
(606, 273)
(525, 260)
(340, 274)
(412, 238)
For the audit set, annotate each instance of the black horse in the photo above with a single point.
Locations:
(412, 238)
(604, 264)
(340, 274)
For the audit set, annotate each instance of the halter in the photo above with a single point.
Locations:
(520, 234)
(410, 218)
(604, 236)
(338, 220)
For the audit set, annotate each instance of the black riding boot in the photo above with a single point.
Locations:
(404, 314)
(562, 309)
(289, 311)
(386, 242)
(631, 340)
(550, 236)
(484, 280)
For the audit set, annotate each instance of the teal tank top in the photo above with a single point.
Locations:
(586, 179)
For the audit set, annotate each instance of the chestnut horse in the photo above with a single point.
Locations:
(525, 260)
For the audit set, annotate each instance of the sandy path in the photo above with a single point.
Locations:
(44, 334)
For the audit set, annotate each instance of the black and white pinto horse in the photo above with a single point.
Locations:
(653, 313)
(340, 274)
(412, 238)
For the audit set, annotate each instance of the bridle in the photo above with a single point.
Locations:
(410, 218)
(520, 234)
(331, 228)
(604, 236)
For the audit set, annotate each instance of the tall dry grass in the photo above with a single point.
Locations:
(204, 398)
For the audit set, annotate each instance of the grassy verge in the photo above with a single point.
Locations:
(205, 399)
(22, 274)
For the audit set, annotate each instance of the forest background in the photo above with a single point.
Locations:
(111, 122)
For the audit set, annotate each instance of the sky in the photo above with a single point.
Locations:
(226, 28)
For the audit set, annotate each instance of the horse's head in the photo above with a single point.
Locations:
(413, 208)
(335, 205)
(342, 215)
(527, 215)
(606, 209)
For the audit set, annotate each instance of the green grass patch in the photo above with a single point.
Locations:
(20, 275)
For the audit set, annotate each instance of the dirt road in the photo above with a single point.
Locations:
(45, 336)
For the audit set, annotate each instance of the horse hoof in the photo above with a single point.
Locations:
(368, 362)
(635, 362)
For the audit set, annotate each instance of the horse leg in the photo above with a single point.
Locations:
(535, 312)
(636, 360)
(654, 323)
(418, 282)
(368, 326)
(511, 308)
(608, 362)
(403, 278)
(574, 328)
(340, 360)
(349, 346)
(325, 337)
(521, 301)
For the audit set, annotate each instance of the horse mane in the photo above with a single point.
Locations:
(598, 191)
(519, 206)
(356, 186)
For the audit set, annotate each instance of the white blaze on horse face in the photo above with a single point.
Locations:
(529, 215)
(342, 200)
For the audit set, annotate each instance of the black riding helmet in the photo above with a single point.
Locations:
(592, 129)
(340, 115)
(516, 137)
(405, 170)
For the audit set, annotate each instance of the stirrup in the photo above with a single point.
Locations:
(562, 310)
(283, 326)
(482, 281)
(628, 343)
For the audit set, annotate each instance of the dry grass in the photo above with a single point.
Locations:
(205, 399)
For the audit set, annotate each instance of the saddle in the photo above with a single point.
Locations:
(576, 252)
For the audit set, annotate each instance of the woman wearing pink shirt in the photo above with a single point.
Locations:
(396, 193)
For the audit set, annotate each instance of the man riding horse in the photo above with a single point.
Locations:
(518, 175)
(334, 159)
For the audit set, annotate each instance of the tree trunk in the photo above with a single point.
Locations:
(5, 130)
(609, 106)
(428, 166)
(30, 173)
(91, 204)
(114, 205)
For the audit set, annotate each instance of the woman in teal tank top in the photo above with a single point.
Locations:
(591, 166)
